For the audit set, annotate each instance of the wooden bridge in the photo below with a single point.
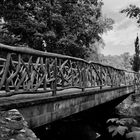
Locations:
(46, 87)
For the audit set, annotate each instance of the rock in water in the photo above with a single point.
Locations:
(14, 127)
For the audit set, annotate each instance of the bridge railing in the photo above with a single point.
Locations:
(24, 70)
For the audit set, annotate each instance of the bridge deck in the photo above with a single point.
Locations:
(7, 101)
(39, 109)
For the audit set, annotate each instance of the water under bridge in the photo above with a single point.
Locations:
(46, 87)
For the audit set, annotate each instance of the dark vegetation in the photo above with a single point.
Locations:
(70, 27)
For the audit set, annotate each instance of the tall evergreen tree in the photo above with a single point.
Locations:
(136, 58)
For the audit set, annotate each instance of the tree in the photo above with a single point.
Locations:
(136, 58)
(132, 11)
(122, 61)
(126, 61)
(68, 27)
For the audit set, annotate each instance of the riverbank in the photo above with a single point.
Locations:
(14, 127)
(127, 125)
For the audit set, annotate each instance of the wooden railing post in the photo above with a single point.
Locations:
(119, 79)
(6, 69)
(101, 77)
(125, 79)
(45, 72)
(72, 73)
(135, 82)
(83, 78)
(55, 77)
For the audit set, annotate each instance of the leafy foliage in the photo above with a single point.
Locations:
(132, 124)
(122, 127)
(135, 135)
(128, 121)
(113, 121)
(132, 11)
(122, 121)
(121, 130)
(116, 127)
(134, 128)
(122, 61)
(67, 26)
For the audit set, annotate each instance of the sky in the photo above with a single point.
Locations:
(121, 38)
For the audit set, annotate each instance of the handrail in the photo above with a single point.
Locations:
(30, 51)
(27, 70)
